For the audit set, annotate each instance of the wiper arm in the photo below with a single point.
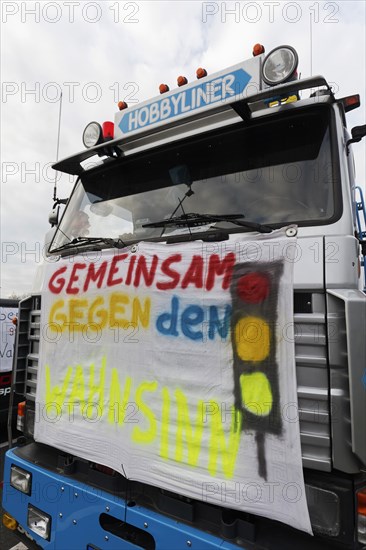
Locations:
(118, 243)
(192, 219)
(261, 228)
(113, 243)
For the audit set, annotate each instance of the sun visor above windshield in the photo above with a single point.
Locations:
(188, 120)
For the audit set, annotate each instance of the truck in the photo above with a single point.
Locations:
(8, 313)
(192, 357)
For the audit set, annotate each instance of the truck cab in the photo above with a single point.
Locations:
(244, 153)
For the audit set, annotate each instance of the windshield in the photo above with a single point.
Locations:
(274, 172)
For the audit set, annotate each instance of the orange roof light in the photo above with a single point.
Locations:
(122, 105)
(163, 88)
(200, 73)
(258, 49)
(181, 80)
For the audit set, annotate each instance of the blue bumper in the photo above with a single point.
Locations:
(76, 508)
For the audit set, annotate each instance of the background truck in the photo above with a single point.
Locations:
(247, 151)
(8, 311)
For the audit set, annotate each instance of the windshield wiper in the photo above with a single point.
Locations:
(112, 243)
(192, 219)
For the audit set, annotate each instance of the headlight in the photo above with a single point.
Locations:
(39, 522)
(21, 480)
(92, 135)
(279, 65)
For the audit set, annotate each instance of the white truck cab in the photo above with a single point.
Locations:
(248, 150)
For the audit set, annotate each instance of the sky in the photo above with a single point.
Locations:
(97, 53)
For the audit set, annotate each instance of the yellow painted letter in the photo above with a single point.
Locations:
(219, 444)
(55, 394)
(191, 435)
(147, 436)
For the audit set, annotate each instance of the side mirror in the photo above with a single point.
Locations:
(358, 132)
(53, 216)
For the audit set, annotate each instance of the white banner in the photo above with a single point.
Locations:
(174, 365)
(7, 315)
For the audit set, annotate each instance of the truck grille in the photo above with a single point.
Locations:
(313, 389)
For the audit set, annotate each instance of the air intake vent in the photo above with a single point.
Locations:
(312, 380)
(27, 347)
(303, 302)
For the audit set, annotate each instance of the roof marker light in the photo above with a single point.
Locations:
(350, 102)
(181, 80)
(163, 88)
(258, 49)
(122, 105)
(280, 65)
(201, 73)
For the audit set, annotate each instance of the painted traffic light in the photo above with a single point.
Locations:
(254, 294)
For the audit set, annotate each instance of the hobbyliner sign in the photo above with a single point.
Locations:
(175, 366)
(225, 86)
